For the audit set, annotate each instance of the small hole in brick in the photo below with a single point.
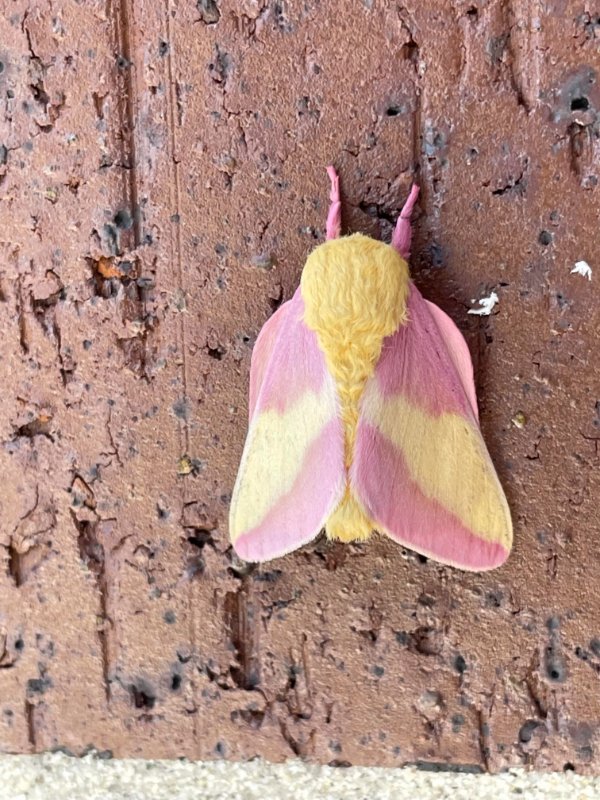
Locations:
(200, 538)
(163, 48)
(580, 104)
(555, 667)
(19, 644)
(123, 219)
(175, 682)
(545, 238)
(1, 67)
(142, 696)
(473, 13)
(527, 730)
(216, 352)
(393, 111)
(460, 665)
(568, 767)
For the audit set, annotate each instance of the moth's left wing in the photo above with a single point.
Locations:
(421, 468)
(292, 473)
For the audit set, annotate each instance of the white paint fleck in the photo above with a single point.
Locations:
(486, 303)
(582, 268)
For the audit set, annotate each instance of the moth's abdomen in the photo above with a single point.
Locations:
(355, 292)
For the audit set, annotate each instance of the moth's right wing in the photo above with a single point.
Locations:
(421, 468)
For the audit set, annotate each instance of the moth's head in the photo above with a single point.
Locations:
(354, 274)
(347, 256)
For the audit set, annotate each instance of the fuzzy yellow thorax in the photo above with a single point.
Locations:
(355, 291)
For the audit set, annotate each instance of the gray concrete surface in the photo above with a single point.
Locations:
(56, 776)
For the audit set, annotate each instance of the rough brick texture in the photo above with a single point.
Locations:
(161, 182)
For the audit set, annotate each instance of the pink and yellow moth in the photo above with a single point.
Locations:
(363, 415)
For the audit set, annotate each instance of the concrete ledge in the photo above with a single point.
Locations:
(58, 776)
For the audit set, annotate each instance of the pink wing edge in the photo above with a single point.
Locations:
(406, 514)
(285, 343)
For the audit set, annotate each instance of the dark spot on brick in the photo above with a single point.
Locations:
(180, 408)
(426, 600)
(1, 67)
(122, 62)
(586, 752)
(556, 669)
(378, 671)
(335, 746)
(176, 218)
(493, 599)
(209, 11)
(142, 694)
(568, 767)
(170, 617)
(427, 641)
(403, 638)
(460, 665)
(437, 255)
(580, 103)
(496, 47)
(220, 749)
(216, 352)
(441, 766)
(163, 48)
(457, 722)
(268, 577)
(200, 538)
(110, 237)
(581, 653)
(527, 729)
(38, 685)
(545, 238)
(595, 646)
(87, 344)
(123, 219)
(19, 644)
(175, 682)
(394, 111)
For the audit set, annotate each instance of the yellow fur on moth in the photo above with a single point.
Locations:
(354, 292)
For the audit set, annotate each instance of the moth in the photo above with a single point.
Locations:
(363, 415)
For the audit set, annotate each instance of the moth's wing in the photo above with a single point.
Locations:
(262, 351)
(421, 468)
(292, 472)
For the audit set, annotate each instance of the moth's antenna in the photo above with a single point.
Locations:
(403, 230)
(334, 218)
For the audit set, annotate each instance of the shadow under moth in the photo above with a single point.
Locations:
(363, 415)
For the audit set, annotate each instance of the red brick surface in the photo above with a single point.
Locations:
(161, 182)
